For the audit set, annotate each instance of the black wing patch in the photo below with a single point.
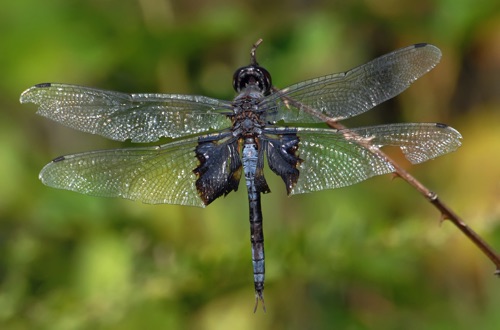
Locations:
(219, 169)
(282, 158)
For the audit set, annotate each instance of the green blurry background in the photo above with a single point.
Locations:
(370, 256)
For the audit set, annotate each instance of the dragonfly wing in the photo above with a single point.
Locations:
(330, 160)
(419, 142)
(121, 116)
(348, 94)
(162, 174)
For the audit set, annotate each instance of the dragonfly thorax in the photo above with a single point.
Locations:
(248, 117)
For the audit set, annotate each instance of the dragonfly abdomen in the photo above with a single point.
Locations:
(255, 182)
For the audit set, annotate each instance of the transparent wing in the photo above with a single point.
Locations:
(120, 116)
(155, 175)
(349, 94)
(331, 161)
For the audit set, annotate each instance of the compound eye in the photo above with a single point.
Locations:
(252, 75)
(266, 82)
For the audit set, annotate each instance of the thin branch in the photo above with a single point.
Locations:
(446, 212)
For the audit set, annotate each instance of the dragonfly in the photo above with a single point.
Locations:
(214, 142)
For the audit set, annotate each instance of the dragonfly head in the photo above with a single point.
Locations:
(252, 76)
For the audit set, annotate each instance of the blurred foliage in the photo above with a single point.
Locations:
(370, 256)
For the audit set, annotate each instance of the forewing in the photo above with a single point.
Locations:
(155, 175)
(120, 116)
(343, 95)
(333, 158)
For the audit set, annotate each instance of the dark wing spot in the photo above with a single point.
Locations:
(420, 45)
(43, 85)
